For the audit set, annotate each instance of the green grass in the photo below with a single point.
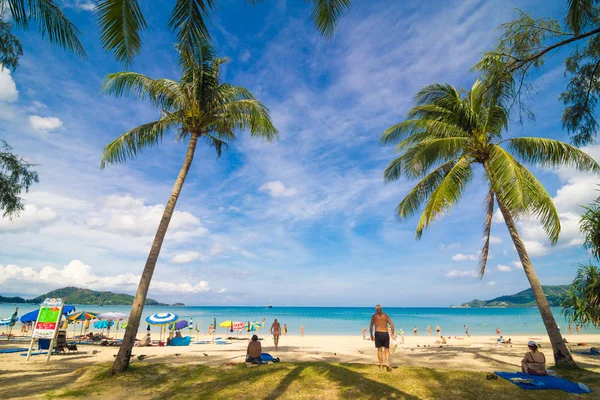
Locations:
(300, 381)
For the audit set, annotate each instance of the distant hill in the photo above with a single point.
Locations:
(73, 295)
(554, 294)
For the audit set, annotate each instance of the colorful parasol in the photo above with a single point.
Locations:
(83, 316)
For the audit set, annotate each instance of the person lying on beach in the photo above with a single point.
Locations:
(509, 341)
(534, 361)
(254, 351)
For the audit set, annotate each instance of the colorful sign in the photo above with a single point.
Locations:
(48, 319)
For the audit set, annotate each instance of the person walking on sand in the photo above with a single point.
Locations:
(302, 330)
(382, 338)
(364, 333)
(570, 329)
(578, 328)
(438, 330)
(276, 332)
(429, 330)
(284, 329)
(467, 331)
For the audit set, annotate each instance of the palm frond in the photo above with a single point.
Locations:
(447, 194)
(252, 115)
(419, 158)
(487, 229)
(56, 25)
(435, 92)
(120, 24)
(163, 93)
(188, 20)
(551, 153)
(422, 190)
(540, 204)
(506, 179)
(18, 12)
(326, 13)
(415, 130)
(580, 13)
(132, 142)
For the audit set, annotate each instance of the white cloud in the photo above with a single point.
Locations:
(495, 240)
(223, 290)
(8, 88)
(535, 248)
(449, 246)
(44, 124)
(86, 5)
(278, 189)
(504, 268)
(32, 217)
(456, 273)
(186, 257)
(465, 257)
(517, 264)
(492, 283)
(77, 273)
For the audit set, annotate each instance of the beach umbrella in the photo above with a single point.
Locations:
(162, 319)
(104, 324)
(178, 325)
(83, 316)
(191, 325)
(32, 316)
(252, 326)
(4, 321)
(87, 325)
(226, 324)
(112, 316)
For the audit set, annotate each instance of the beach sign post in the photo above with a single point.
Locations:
(47, 323)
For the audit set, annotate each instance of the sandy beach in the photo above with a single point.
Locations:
(477, 353)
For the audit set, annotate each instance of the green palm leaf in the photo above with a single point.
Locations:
(54, 23)
(326, 13)
(188, 20)
(418, 159)
(507, 179)
(120, 24)
(551, 153)
(447, 194)
(163, 93)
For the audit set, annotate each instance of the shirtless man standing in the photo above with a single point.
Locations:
(276, 331)
(382, 337)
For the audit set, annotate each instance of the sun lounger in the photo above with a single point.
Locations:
(536, 382)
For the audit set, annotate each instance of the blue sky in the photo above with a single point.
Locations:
(304, 221)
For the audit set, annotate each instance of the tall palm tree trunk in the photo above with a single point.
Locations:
(562, 356)
(122, 361)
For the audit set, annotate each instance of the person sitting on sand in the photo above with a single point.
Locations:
(254, 351)
(178, 334)
(534, 361)
(90, 336)
(146, 341)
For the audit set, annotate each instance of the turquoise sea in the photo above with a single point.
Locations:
(350, 320)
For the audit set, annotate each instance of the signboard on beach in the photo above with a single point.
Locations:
(48, 319)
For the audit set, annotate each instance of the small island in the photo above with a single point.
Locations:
(524, 299)
(74, 295)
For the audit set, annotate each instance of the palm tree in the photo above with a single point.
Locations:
(582, 304)
(199, 106)
(445, 135)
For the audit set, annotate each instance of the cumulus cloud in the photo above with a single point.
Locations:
(186, 257)
(457, 273)
(504, 268)
(44, 124)
(465, 257)
(32, 217)
(278, 189)
(8, 88)
(77, 273)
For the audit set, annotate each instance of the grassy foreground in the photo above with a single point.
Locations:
(301, 381)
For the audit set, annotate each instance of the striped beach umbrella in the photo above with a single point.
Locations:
(83, 316)
(162, 319)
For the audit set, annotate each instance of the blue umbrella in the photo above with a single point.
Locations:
(162, 319)
(104, 324)
(32, 316)
(179, 325)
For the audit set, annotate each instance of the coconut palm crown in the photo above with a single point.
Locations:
(445, 136)
(198, 106)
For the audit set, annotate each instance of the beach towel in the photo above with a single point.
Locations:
(543, 382)
(13, 350)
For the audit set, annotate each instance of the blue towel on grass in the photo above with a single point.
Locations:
(543, 382)
(13, 350)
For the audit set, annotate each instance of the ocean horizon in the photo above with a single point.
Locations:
(323, 320)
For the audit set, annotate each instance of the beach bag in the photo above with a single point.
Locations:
(393, 344)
